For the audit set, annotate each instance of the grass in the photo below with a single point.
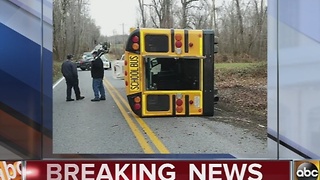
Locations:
(233, 65)
(258, 69)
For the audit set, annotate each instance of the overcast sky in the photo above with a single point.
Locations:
(110, 15)
(117, 16)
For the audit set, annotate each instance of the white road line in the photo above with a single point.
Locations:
(55, 84)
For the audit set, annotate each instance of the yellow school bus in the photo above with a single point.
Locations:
(169, 72)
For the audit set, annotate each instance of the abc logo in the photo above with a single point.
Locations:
(307, 171)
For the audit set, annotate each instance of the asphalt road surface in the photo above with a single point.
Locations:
(109, 127)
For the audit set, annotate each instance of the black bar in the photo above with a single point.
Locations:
(173, 105)
(208, 72)
(289, 147)
(186, 41)
(172, 40)
(187, 105)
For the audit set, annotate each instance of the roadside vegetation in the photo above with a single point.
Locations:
(56, 73)
(242, 88)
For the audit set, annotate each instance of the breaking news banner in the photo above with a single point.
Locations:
(158, 170)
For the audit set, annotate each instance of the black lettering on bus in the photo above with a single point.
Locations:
(134, 79)
(134, 58)
(134, 85)
(134, 64)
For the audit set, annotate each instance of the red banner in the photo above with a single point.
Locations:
(158, 170)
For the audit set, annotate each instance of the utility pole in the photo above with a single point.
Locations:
(122, 28)
(123, 39)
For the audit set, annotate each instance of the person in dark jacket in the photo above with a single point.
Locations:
(97, 74)
(70, 73)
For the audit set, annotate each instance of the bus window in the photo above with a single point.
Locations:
(172, 74)
(156, 43)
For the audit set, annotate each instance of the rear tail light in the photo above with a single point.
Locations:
(137, 106)
(178, 43)
(137, 103)
(133, 44)
(179, 109)
(137, 99)
(179, 103)
(135, 39)
(178, 37)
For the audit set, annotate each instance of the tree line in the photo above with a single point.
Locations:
(241, 25)
(74, 31)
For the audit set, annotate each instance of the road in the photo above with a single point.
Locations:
(109, 127)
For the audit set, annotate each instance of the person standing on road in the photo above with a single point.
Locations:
(97, 74)
(70, 73)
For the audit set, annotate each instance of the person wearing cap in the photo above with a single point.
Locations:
(97, 74)
(70, 73)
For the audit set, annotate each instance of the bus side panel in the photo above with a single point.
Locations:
(193, 38)
(208, 73)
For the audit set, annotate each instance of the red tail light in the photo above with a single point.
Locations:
(135, 39)
(178, 43)
(179, 102)
(137, 106)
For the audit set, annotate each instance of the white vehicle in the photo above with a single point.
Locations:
(106, 62)
(118, 68)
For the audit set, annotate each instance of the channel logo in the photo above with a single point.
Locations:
(10, 170)
(306, 170)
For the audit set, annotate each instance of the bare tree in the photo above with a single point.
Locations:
(60, 32)
(160, 13)
(213, 21)
(198, 15)
(240, 23)
(74, 30)
(142, 12)
(186, 5)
